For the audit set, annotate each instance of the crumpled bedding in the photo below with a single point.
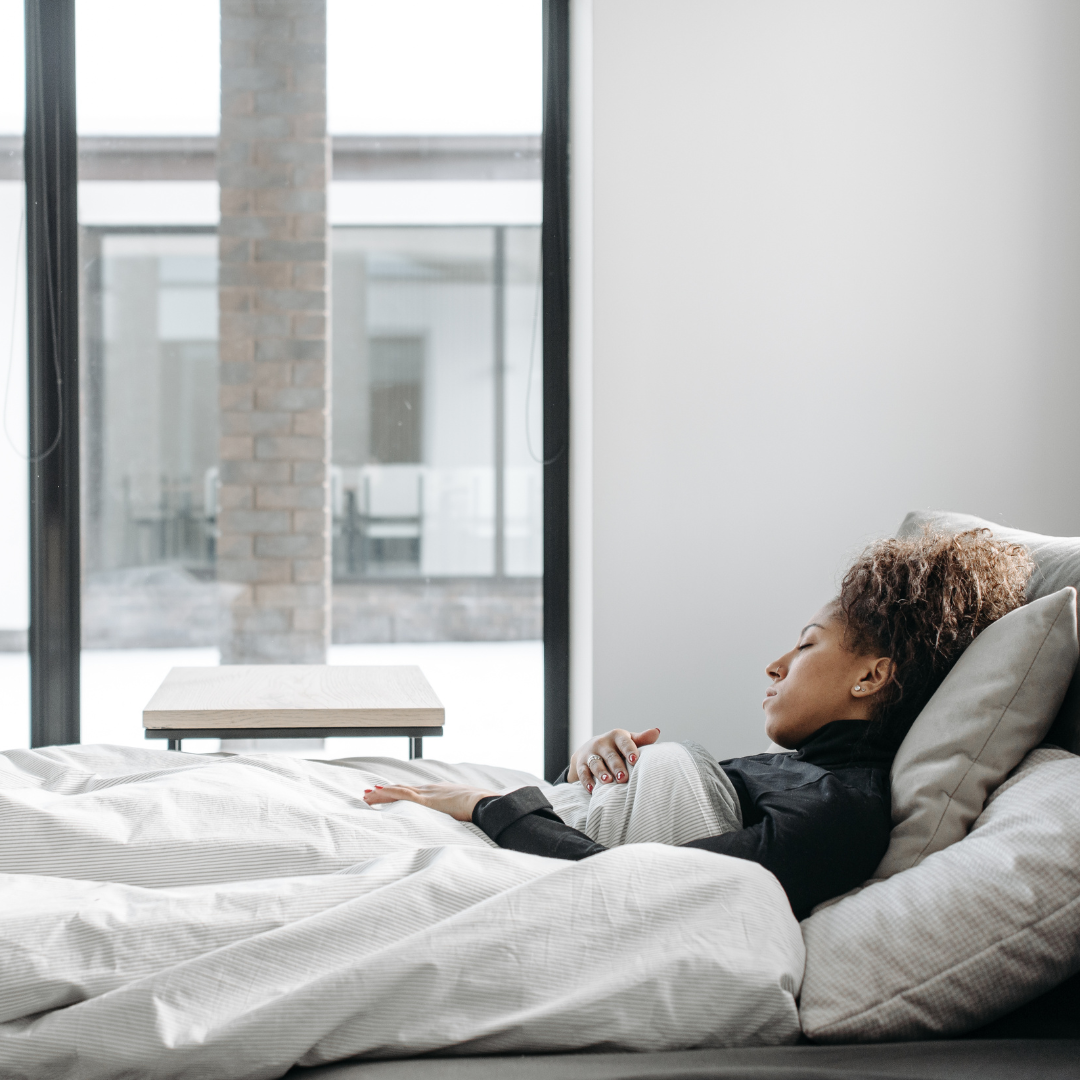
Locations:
(174, 915)
(675, 793)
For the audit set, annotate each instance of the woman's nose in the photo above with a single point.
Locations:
(775, 670)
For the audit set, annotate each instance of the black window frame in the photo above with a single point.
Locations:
(50, 168)
(555, 260)
(50, 154)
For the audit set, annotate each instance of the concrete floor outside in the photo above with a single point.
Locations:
(493, 693)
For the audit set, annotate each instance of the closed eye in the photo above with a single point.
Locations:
(806, 646)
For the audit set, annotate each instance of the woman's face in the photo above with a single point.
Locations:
(819, 681)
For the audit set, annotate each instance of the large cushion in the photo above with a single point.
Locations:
(1057, 564)
(969, 934)
(994, 706)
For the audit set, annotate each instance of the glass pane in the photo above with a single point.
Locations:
(14, 583)
(435, 110)
(429, 67)
(524, 521)
(148, 209)
(414, 403)
(207, 463)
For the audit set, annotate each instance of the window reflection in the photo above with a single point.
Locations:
(434, 337)
(433, 334)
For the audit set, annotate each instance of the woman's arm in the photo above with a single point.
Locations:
(819, 840)
(454, 799)
(521, 820)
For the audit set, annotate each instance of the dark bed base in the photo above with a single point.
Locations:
(1039, 1041)
(1008, 1059)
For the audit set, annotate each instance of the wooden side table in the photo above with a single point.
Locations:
(293, 701)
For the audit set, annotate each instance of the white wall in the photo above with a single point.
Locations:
(837, 277)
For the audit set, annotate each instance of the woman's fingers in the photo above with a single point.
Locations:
(391, 793)
(607, 758)
(602, 760)
(594, 769)
(616, 771)
(627, 747)
(646, 738)
(588, 781)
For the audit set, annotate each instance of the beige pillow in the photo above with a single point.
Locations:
(994, 706)
(1057, 564)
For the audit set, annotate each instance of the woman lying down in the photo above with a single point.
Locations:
(842, 699)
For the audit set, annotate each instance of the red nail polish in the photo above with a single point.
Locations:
(590, 789)
(606, 778)
(620, 776)
(633, 758)
(378, 787)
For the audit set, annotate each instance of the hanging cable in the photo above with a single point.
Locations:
(35, 459)
(529, 384)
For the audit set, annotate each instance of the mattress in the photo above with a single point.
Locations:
(1039, 1041)
(955, 1059)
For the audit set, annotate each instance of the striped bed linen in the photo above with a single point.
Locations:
(675, 793)
(173, 915)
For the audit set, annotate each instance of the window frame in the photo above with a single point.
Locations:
(51, 170)
(555, 260)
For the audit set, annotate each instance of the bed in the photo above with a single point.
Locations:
(288, 928)
(1012, 1059)
(1038, 1039)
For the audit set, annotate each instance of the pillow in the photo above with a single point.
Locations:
(993, 707)
(1057, 564)
(966, 936)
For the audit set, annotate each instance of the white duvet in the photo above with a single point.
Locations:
(176, 915)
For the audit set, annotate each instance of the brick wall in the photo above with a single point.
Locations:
(273, 167)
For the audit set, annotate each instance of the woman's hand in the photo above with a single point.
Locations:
(453, 799)
(608, 757)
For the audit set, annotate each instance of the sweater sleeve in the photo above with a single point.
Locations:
(523, 820)
(820, 840)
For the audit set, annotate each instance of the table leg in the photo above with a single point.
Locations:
(416, 747)
(173, 744)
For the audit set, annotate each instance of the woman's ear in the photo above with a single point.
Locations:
(875, 676)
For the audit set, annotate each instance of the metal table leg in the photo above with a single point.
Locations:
(174, 744)
(416, 747)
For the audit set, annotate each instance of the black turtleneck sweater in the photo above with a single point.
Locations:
(818, 819)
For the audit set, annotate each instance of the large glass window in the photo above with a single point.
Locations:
(435, 109)
(14, 613)
(434, 404)
(148, 212)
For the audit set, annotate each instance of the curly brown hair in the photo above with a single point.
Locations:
(921, 601)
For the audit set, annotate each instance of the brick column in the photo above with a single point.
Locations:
(273, 167)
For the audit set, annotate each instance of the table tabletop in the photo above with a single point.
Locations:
(292, 696)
